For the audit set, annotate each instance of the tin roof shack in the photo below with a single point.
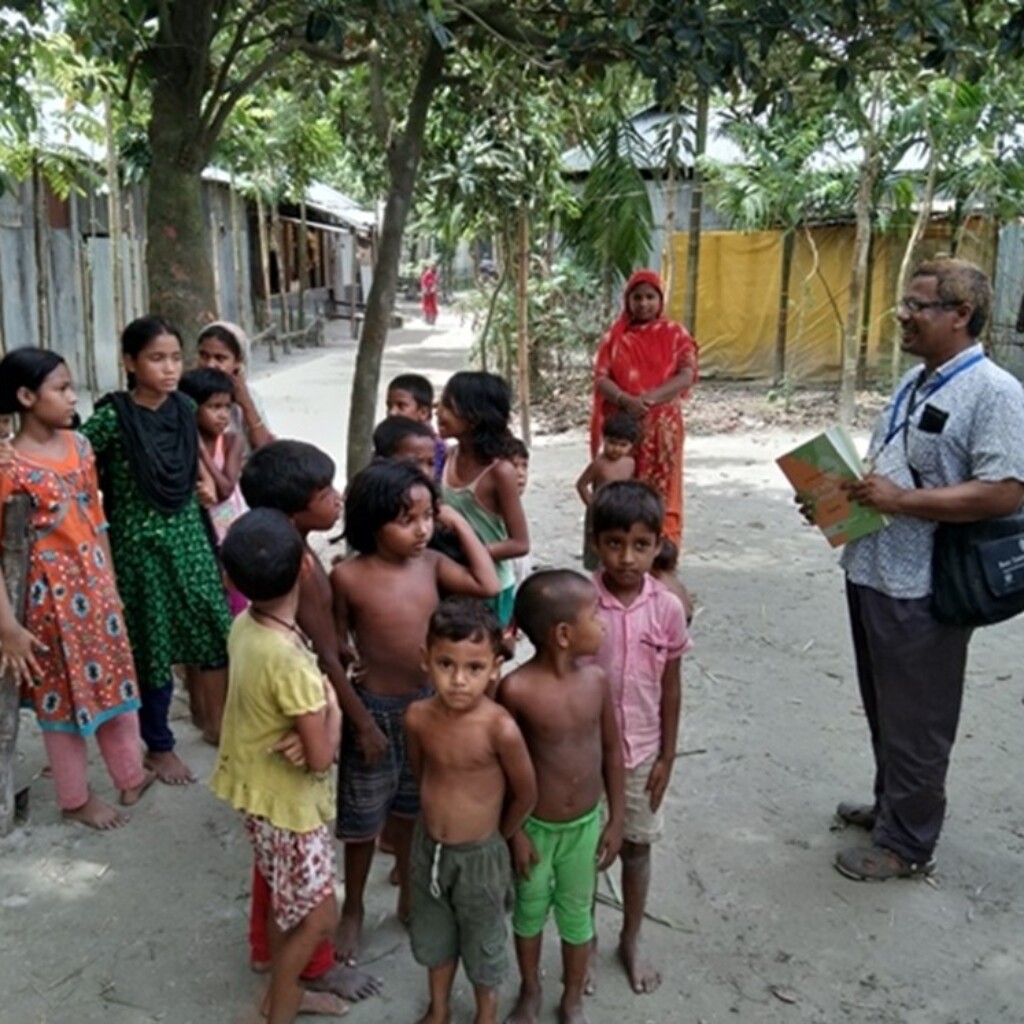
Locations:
(320, 258)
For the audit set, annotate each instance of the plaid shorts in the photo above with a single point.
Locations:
(298, 867)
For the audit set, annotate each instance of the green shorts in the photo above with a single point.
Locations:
(460, 896)
(565, 878)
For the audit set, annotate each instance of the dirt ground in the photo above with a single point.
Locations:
(149, 924)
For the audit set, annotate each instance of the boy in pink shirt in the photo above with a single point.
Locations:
(645, 638)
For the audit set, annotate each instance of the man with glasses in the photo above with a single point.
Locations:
(949, 448)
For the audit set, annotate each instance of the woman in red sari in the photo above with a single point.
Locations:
(645, 366)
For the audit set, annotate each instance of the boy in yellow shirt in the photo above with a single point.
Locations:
(275, 689)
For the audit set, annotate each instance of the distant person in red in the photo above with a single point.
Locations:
(428, 293)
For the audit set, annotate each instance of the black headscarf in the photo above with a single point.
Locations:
(162, 446)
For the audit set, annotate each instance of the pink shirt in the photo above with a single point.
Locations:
(639, 642)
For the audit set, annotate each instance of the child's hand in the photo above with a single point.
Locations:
(524, 854)
(206, 493)
(609, 845)
(6, 452)
(17, 647)
(806, 505)
(290, 747)
(657, 781)
(372, 742)
(448, 517)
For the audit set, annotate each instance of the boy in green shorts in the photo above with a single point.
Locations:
(565, 712)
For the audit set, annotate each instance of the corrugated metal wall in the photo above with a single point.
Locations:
(1006, 340)
(74, 312)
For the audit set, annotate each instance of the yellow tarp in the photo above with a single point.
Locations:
(738, 301)
(738, 296)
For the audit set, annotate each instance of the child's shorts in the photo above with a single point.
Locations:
(298, 867)
(565, 878)
(368, 793)
(460, 895)
(642, 825)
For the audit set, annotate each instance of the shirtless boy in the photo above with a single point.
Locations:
(566, 714)
(383, 600)
(297, 479)
(615, 461)
(476, 787)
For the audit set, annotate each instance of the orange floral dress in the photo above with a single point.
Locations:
(72, 602)
(639, 357)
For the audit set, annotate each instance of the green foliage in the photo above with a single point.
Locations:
(611, 226)
(566, 312)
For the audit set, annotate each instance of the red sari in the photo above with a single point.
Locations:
(639, 357)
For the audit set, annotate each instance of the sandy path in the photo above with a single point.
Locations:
(149, 924)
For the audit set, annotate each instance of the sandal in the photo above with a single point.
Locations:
(859, 815)
(878, 864)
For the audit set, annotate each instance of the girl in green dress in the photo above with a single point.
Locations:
(146, 445)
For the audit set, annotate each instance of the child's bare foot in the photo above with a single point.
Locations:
(259, 966)
(527, 1007)
(403, 910)
(393, 875)
(347, 982)
(322, 1004)
(169, 768)
(439, 1016)
(642, 976)
(346, 937)
(590, 978)
(97, 814)
(571, 1014)
(130, 797)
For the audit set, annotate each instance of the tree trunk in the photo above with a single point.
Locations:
(924, 215)
(865, 315)
(696, 211)
(403, 163)
(17, 544)
(178, 264)
(782, 328)
(523, 339)
(669, 221)
(40, 238)
(858, 273)
(114, 216)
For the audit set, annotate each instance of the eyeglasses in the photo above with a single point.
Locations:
(908, 305)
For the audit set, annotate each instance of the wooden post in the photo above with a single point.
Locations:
(236, 258)
(524, 326)
(303, 265)
(17, 543)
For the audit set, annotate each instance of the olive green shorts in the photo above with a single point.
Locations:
(460, 899)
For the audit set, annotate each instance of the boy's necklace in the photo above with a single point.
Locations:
(292, 627)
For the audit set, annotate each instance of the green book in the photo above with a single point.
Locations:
(817, 470)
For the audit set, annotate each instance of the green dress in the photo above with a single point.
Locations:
(167, 574)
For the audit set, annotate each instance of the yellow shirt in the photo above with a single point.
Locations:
(271, 682)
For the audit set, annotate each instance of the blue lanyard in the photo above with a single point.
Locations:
(941, 380)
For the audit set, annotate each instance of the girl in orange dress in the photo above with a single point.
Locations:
(646, 365)
(72, 656)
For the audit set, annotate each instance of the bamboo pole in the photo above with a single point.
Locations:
(39, 238)
(524, 326)
(17, 544)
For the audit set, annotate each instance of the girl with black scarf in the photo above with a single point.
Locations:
(146, 445)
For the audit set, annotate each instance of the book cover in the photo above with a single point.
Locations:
(817, 470)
